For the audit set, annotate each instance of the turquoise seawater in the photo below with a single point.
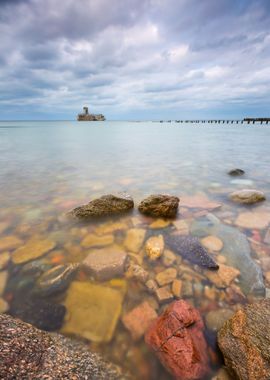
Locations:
(47, 168)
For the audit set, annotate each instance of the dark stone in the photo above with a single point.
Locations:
(28, 353)
(245, 342)
(40, 313)
(177, 338)
(164, 206)
(104, 206)
(190, 248)
(236, 172)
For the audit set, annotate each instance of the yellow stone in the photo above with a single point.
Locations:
(222, 277)
(166, 277)
(176, 288)
(9, 242)
(3, 281)
(212, 243)
(154, 247)
(93, 311)
(181, 226)
(92, 240)
(221, 259)
(108, 228)
(134, 239)
(160, 223)
(4, 259)
(33, 249)
(3, 306)
(249, 219)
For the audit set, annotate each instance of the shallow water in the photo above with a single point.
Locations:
(47, 168)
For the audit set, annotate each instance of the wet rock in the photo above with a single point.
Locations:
(187, 289)
(110, 227)
(166, 277)
(3, 307)
(191, 249)
(3, 281)
(33, 354)
(56, 279)
(212, 243)
(199, 201)
(223, 277)
(38, 312)
(104, 206)
(177, 339)
(92, 240)
(154, 247)
(236, 172)
(33, 249)
(134, 239)
(137, 272)
(138, 319)
(163, 295)
(253, 219)
(181, 226)
(160, 223)
(177, 288)
(247, 196)
(164, 206)
(245, 342)
(105, 264)
(9, 243)
(168, 258)
(4, 260)
(236, 250)
(151, 285)
(215, 319)
(93, 311)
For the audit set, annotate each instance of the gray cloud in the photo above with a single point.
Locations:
(152, 58)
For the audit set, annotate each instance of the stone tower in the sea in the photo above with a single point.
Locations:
(86, 116)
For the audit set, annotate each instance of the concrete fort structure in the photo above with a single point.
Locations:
(86, 116)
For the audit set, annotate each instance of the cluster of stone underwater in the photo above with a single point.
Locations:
(177, 335)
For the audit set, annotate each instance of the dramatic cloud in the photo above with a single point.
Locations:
(134, 58)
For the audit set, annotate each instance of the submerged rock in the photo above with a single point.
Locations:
(154, 247)
(253, 219)
(223, 277)
(134, 239)
(9, 242)
(247, 196)
(33, 249)
(236, 249)
(199, 201)
(93, 311)
(245, 342)
(105, 264)
(236, 172)
(56, 280)
(215, 319)
(92, 240)
(137, 272)
(38, 312)
(3, 281)
(190, 248)
(27, 352)
(166, 277)
(104, 206)
(177, 339)
(164, 206)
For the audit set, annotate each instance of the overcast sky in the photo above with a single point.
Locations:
(134, 59)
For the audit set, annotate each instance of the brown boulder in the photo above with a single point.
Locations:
(164, 206)
(178, 340)
(245, 342)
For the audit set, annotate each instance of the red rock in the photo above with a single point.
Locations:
(178, 340)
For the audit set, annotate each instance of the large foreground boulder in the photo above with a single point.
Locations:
(104, 206)
(164, 206)
(178, 340)
(28, 353)
(245, 342)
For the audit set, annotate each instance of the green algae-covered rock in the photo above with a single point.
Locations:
(93, 311)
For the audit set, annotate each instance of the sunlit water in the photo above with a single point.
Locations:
(47, 168)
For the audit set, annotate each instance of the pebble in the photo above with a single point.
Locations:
(151, 286)
(176, 288)
(108, 228)
(9, 242)
(163, 295)
(222, 374)
(166, 277)
(257, 219)
(199, 201)
(223, 277)
(3, 281)
(92, 240)
(187, 289)
(154, 247)
(134, 239)
(181, 226)
(210, 292)
(236, 172)
(212, 243)
(4, 260)
(160, 223)
(215, 319)
(247, 196)
(168, 258)
(137, 272)
(33, 249)
(139, 319)
(3, 306)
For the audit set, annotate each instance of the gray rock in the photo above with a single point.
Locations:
(159, 205)
(56, 280)
(104, 206)
(236, 172)
(190, 248)
(247, 196)
(28, 353)
(236, 249)
(106, 263)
